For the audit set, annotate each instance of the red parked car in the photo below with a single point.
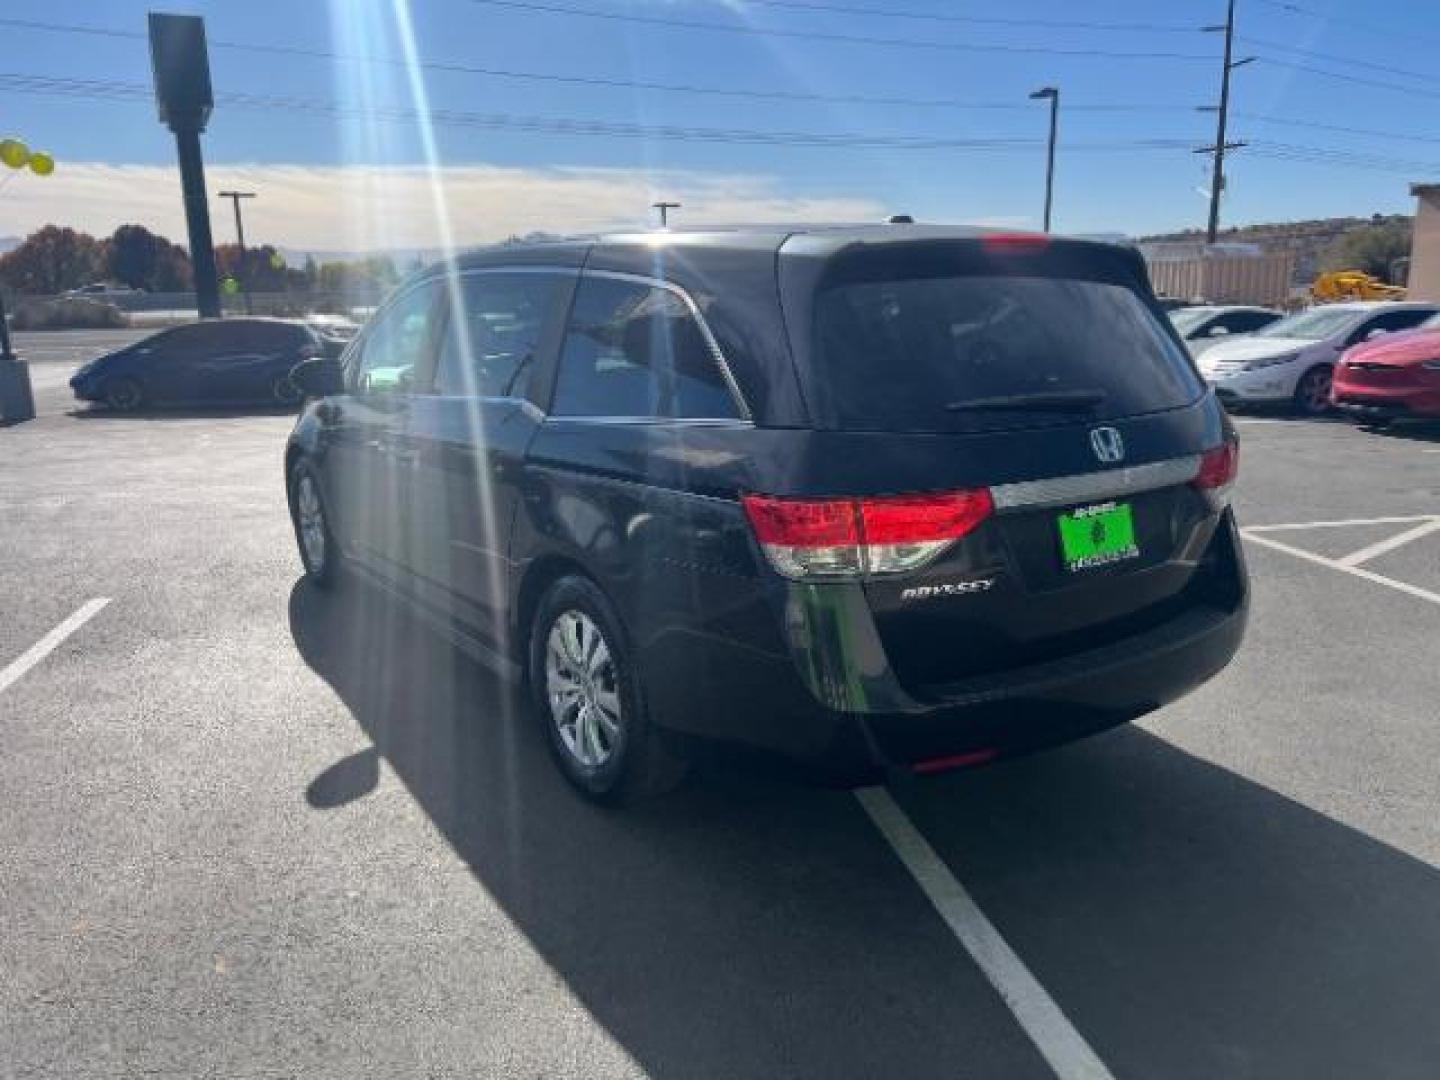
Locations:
(1391, 378)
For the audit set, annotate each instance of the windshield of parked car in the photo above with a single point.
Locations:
(910, 354)
(1313, 325)
(1188, 319)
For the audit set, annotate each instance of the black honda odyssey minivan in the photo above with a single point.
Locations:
(873, 497)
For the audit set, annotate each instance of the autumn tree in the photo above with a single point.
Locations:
(141, 259)
(53, 260)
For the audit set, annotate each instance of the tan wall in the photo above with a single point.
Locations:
(1226, 279)
(1425, 254)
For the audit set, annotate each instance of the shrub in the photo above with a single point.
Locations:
(72, 313)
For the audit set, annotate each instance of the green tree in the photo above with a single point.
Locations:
(141, 259)
(1373, 248)
(53, 260)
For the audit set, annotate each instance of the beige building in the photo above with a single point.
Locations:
(1425, 249)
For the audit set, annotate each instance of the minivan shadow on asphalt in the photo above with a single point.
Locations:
(1190, 922)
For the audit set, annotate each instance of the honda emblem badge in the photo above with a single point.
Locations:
(1108, 445)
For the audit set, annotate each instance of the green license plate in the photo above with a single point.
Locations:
(1097, 536)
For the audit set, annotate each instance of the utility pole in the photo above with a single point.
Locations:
(1217, 179)
(235, 197)
(665, 208)
(1053, 94)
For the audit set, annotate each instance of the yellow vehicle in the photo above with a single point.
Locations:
(1353, 285)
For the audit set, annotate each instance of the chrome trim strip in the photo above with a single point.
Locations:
(1095, 486)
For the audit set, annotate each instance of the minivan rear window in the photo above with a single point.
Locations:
(975, 352)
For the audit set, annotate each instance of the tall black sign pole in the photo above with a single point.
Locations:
(182, 91)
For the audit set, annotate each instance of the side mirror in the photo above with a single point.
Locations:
(1218, 331)
(1376, 333)
(319, 377)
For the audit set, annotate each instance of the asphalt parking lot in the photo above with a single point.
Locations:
(249, 830)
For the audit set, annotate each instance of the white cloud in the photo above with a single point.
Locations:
(353, 208)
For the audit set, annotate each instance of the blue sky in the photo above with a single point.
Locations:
(508, 180)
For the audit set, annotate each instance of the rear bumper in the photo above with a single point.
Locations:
(835, 700)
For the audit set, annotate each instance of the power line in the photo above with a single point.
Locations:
(111, 90)
(1344, 77)
(1368, 26)
(849, 39)
(1322, 155)
(1337, 59)
(140, 93)
(1316, 125)
(973, 20)
(592, 81)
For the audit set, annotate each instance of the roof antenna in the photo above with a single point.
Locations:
(899, 219)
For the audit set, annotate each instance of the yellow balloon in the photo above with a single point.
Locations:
(14, 153)
(41, 163)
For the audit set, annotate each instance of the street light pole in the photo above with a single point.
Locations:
(1052, 93)
(665, 208)
(235, 197)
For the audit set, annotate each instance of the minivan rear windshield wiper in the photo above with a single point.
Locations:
(1042, 401)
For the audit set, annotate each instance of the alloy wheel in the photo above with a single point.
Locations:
(1315, 391)
(582, 689)
(285, 391)
(312, 522)
(123, 395)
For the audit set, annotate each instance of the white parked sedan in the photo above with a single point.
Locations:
(1292, 360)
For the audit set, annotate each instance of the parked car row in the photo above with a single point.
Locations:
(1295, 360)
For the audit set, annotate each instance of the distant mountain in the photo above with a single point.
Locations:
(1309, 240)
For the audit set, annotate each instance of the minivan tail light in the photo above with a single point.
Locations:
(810, 538)
(1219, 468)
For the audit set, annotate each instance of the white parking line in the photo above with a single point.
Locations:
(1335, 564)
(46, 645)
(1339, 524)
(1383, 547)
(1066, 1051)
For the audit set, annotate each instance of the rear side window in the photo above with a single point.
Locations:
(948, 353)
(489, 346)
(634, 350)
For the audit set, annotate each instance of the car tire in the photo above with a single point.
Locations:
(123, 394)
(318, 551)
(590, 699)
(1312, 392)
(284, 391)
